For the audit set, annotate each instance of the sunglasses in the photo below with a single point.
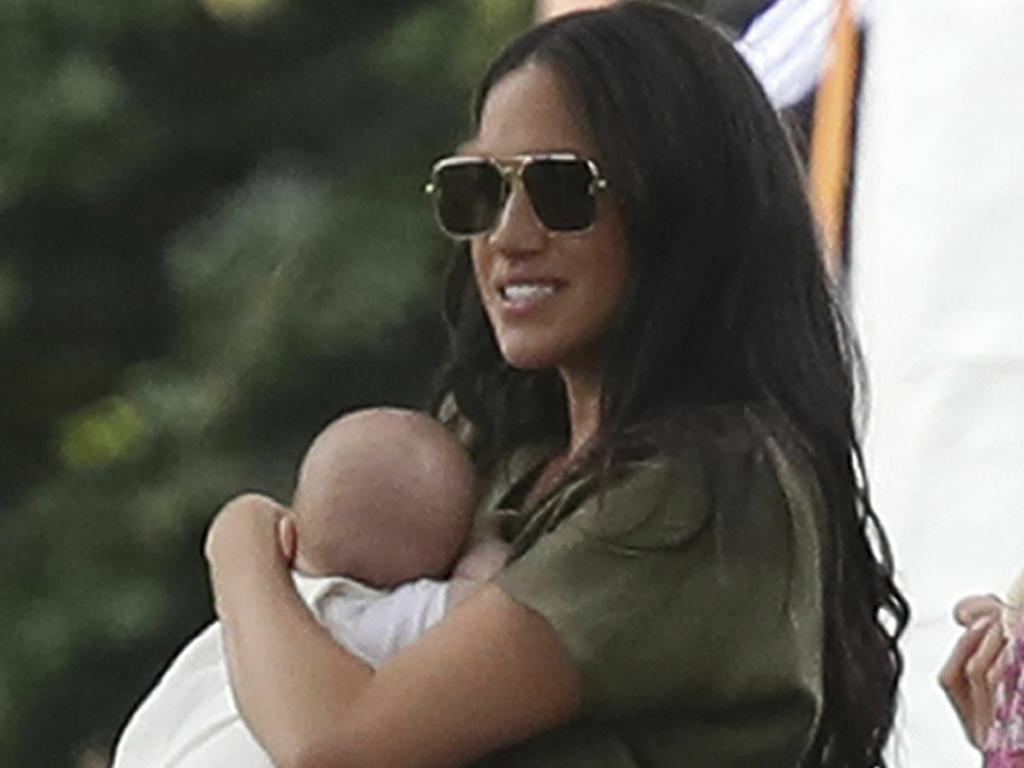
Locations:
(470, 192)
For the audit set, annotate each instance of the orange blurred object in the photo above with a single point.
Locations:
(832, 136)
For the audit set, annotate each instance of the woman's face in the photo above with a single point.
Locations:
(550, 297)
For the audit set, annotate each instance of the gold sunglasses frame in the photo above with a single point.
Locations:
(511, 171)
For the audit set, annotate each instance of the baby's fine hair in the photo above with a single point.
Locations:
(392, 489)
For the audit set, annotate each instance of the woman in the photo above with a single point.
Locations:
(653, 375)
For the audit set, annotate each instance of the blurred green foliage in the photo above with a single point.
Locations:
(212, 240)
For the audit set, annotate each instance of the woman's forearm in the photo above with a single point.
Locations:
(294, 685)
(292, 682)
(495, 672)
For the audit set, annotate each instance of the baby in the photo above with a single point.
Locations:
(381, 511)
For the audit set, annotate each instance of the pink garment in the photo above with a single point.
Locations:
(1004, 744)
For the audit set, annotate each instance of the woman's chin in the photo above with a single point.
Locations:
(527, 364)
(528, 359)
(536, 357)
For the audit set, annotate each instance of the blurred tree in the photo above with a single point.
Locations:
(211, 242)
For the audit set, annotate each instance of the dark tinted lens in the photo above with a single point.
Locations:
(561, 193)
(468, 197)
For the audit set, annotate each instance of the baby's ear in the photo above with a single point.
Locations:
(286, 536)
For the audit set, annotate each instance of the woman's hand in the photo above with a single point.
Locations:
(251, 529)
(971, 674)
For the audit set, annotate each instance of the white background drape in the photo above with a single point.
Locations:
(938, 294)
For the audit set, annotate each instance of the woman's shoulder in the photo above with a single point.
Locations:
(667, 481)
(701, 466)
(723, 444)
(633, 561)
(720, 430)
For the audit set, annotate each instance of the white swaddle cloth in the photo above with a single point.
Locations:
(190, 720)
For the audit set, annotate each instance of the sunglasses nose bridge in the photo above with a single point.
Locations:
(517, 228)
(511, 180)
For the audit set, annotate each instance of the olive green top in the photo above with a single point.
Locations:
(687, 590)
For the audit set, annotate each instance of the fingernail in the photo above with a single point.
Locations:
(984, 621)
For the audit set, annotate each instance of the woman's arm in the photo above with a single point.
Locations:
(491, 675)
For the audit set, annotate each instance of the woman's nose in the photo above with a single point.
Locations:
(518, 229)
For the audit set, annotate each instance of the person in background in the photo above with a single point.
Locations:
(984, 675)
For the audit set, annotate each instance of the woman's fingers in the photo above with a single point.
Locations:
(250, 517)
(244, 537)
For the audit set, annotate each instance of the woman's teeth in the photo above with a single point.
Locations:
(527, 291)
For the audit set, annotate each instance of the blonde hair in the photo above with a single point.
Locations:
(1013, 606)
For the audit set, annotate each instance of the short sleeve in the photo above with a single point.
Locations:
(678, 582)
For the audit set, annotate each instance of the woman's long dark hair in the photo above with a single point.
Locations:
(728, 303)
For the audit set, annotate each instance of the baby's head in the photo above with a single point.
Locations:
(384, 495)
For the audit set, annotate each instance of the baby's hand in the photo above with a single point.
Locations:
(481, 563)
